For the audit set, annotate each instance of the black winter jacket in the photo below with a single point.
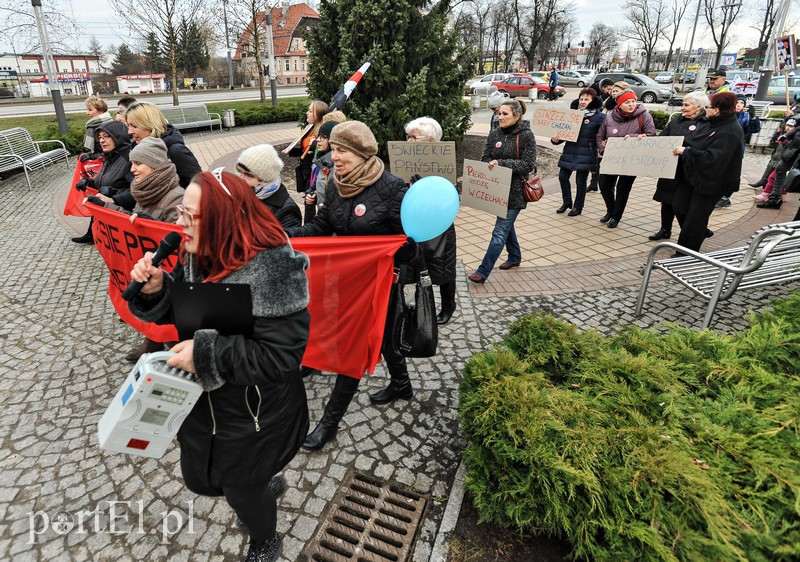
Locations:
(247, 376)
(501, 145)
(116, 172)
(376, 210)
(581, 155)
(179, 154)
(688, 129)
(440, 257)
(284, 208)
(713, 164)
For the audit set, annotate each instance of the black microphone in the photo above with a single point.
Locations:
(169, 245)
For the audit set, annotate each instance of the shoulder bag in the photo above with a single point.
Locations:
(414, 332)
(532, 187)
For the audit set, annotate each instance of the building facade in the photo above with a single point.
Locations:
(26, 74)
(291, 56)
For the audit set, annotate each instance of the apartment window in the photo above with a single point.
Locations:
(303, 64)
(287, 65)
(295, 65)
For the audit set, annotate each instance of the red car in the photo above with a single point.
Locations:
(521, 84)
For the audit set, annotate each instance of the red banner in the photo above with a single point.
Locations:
(349, 283)
(74, 205)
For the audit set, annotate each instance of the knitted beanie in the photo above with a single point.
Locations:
(262, 161)
(791, 122)
(150, 151)
(496, 99)
(326, 128)
(356, 137)
(625, 96)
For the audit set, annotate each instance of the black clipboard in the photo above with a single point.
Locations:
(226, 308)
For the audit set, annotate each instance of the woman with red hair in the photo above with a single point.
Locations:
(253, 416)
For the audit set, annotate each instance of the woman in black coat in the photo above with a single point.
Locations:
(145, 120)
(439, 253)
(711, 166)
(512, 145)
(362, 199)
(687, 125)
(580, 156)
(115, 177)
(253, 415)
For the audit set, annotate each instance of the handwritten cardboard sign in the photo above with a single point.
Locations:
(407, 159)
(649, 156)
(547, 121)
(485, 189)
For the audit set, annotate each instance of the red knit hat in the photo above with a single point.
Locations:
(625, 96)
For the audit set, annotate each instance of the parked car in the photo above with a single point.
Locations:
(776, 92)
(647, 89)
(572, 78)
(522, 84)
(690, 76)
(588, 73)
(543, 74)
(665, 77)
(483, 84)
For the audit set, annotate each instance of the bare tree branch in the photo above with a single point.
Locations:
(648, 19)
(720, 15)
(670, 32)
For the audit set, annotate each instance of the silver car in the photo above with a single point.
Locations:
(572, 78)
(484, 86)
(776, 92)
(647, 89)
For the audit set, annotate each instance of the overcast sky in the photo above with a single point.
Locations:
(98, 18)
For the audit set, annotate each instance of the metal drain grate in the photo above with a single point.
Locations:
(369, 521)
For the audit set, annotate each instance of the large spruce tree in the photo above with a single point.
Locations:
(419, 67)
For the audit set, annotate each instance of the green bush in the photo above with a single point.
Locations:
(257, 113)
(646, 445)
(660, 118)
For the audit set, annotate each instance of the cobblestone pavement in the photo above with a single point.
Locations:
(61, 360)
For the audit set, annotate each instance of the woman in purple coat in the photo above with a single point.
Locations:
(626, 120)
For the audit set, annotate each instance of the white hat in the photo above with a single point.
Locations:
(262, 161)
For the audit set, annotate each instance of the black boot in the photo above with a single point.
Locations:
(765, 176)
(774, 202)
(399, 388)
(86, 238)
(267, 551)
(448, 294)
(147, 346)
(341, 396)
(661, 234)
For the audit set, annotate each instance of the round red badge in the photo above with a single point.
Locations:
(360, 210)
(615, 131)
(692, 127)
(498, 144)
(585, 121)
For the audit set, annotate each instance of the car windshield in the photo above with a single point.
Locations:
(646, 79)
(537, 80)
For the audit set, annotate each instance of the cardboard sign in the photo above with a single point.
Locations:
(649, 157)
(485, 189)
(785, 54)
(547, 121)
(407, 159)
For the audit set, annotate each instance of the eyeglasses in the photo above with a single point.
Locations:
(103, 136)
(188, 217)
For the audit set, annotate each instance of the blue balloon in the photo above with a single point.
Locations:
(429, 208)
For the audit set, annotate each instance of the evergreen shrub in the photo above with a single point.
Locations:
(660, 118)
(644, 445)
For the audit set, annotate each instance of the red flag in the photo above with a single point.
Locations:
(349, 279)
(88, 169)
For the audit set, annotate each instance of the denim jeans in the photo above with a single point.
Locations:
(502, 235)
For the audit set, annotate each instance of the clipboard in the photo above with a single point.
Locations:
(226, 308)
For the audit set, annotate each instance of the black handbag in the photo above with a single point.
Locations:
(792, 183)
(414, 329)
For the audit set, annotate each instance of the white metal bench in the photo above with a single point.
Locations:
(762, 108)
(190, 116)
(772, 257)
(19, 150)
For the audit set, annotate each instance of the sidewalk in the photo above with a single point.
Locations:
(61, 349)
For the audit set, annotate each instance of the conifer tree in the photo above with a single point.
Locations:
(126, 61)
(419, 67)
(154, 59)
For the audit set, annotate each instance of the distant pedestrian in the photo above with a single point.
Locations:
(553, 83)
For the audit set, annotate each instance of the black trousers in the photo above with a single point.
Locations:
(693, 210)
(667, 216)
(615, 203)
(255, 505)
(580, 186)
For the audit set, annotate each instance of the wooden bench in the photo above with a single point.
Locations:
(19, 150)
(190, 116)
(771, 258)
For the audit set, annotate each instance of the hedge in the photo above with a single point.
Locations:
(645, 445)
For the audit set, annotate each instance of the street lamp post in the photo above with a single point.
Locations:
(228, 43)
(273, 88)
(52, 76)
